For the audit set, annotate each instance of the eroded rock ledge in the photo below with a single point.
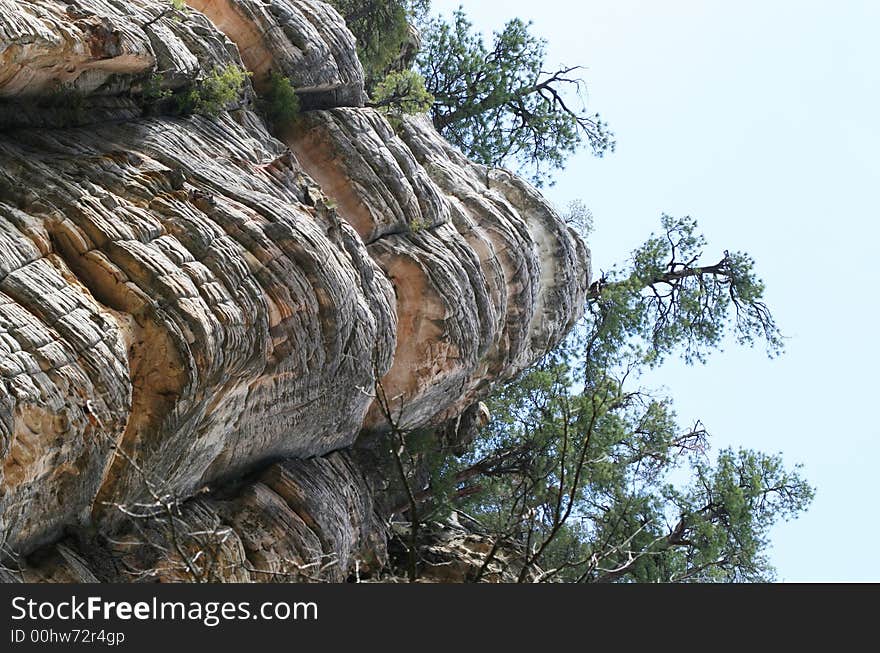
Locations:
(196, 314)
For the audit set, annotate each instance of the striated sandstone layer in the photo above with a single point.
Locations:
(195, 315)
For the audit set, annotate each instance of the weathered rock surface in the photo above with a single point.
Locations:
(301, 39)
(195, 315)
(90, 61)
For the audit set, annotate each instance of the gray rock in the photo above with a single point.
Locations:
(190, 304)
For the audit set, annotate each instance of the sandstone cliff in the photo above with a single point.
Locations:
(195, 314)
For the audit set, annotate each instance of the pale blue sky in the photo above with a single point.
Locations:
(758, 118)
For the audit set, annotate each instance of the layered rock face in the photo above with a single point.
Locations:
(196, 316)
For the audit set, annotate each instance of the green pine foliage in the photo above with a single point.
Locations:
(280, 101)
(499, 104)
(215, 93)
(577, 464)
(153, 91)
(380, 28)
(402, 93)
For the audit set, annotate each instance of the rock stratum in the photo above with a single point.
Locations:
(197, 315)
